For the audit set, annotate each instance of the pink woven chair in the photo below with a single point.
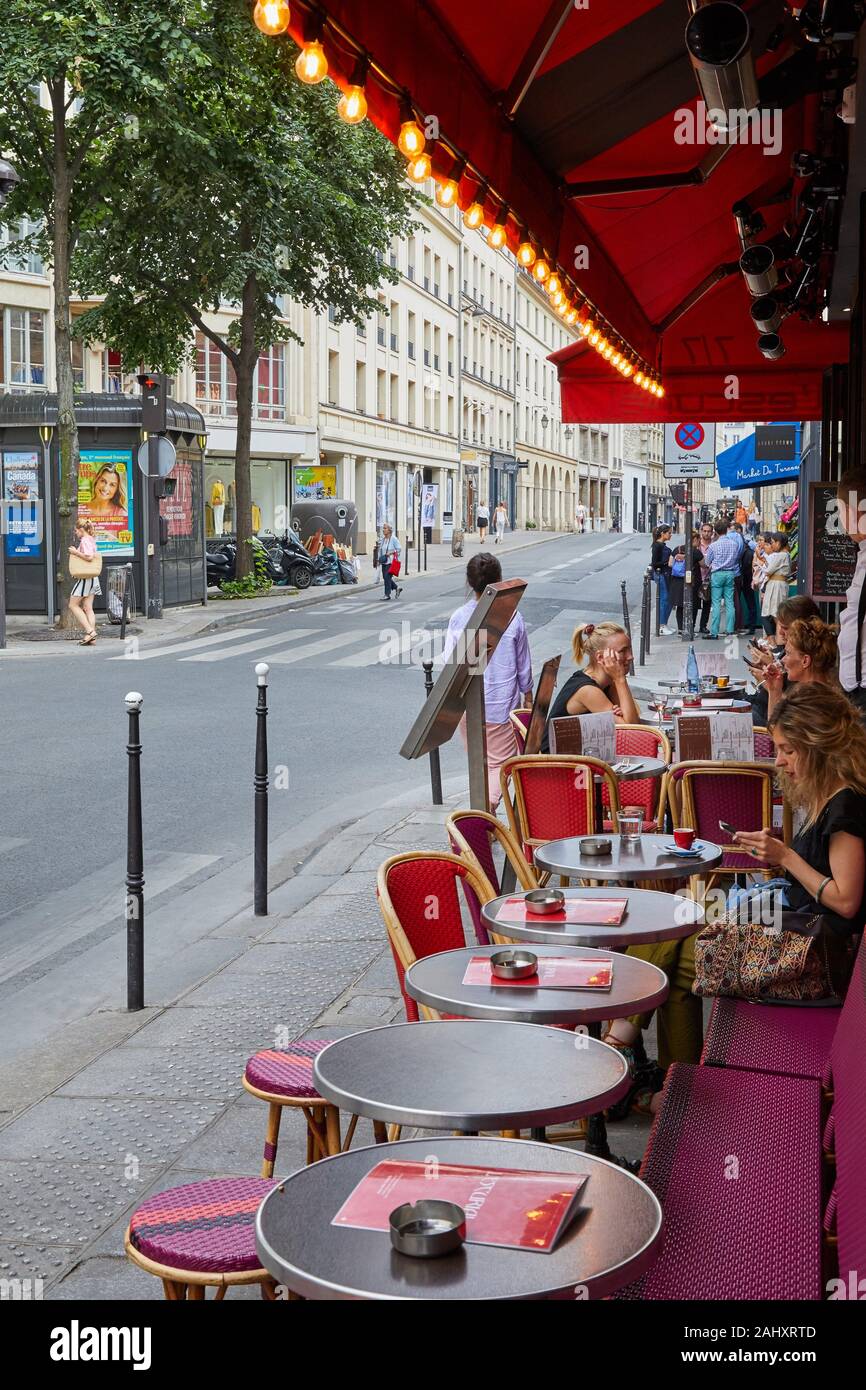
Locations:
(765, 748)
(845, 1139)
(408, 885)
(703, 793)
(284, 1077)
(472, 835)
(775, 1038)
(554, 797)
(200, 1236)
(520, 723)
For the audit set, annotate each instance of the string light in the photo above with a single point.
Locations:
(411, 141)
(352, 106)
(594, 337)
(557, 298)
(447, 193)
(312, 65)
(474, 214)
(272, 16)
(541, 270)
(587, 327)
(553, 284)
(527, 255)
(498, 235)
(419, 170)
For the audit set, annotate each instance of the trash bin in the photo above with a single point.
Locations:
(457, 543)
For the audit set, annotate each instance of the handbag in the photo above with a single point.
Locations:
(394, 567)
(678, 569)
(79, 568)
(801, 962)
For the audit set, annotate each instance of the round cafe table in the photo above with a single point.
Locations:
(437, 981)
(649, 916)
(645, 858)
(613, 1239)
(470, 1075)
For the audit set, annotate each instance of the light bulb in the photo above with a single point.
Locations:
(447, 193)
(474, 215)
(661, 391)
(594, 337)
(526, 254)
(541, 270)
(312, 65)
(411, 139)
(628, 370)
(571, 316)
(419, 169)
(586, 327)
(352, 106)
(496, 237)
(557, 298)
(608, 353)
(562, 309)
(616, 359)
(646, 384)
(272, 16)
(553, 284)
(638, 381)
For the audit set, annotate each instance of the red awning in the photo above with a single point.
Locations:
(549, 98)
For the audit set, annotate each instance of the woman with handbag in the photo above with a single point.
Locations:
(87, 565)
(389, 560)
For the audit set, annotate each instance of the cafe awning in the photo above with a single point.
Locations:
(579, 126)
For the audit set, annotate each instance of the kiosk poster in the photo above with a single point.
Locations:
(22, 520)
(105, 498)
(177, 509)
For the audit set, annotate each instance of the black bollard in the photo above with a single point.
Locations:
(124, 612)
(435, 765)
(260, 783)
(134, 863)
(626, 620)
(644, 618)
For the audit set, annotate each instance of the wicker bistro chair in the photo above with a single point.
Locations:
(642, 741)
(764, 745)
(472, 835)
(520, 723)
(201, 1236)
(285, 1078)
(418, 900)
(703, 793)
(554, 797)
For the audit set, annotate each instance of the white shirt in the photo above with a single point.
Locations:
(848, 626)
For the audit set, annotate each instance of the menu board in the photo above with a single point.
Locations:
(716, 737)
(587, 735)
(833, 555)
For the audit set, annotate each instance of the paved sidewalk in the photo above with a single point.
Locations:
(162, 1104)
(217, 614)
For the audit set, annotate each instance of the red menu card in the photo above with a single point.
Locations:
(554, 972)
(510, 1207)
(589, 912)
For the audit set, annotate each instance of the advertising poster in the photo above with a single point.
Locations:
(315, 484)
(105, 480)
(22, 520)
(428, 504)
(177, 510)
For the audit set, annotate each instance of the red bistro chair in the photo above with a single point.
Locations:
(472, 835)
(554, 797)
(704, 793)
(642, 741)
(520, 723)
(408, 885)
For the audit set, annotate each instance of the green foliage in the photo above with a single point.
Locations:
(255, 585)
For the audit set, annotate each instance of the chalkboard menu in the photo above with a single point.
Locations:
(833, 553)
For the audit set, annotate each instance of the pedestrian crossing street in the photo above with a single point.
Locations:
(402, 637)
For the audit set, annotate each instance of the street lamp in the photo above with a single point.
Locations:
(9, 180)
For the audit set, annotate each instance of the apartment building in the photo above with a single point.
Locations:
(487, 342)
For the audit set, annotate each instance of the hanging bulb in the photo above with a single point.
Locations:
(557, 298)
(474, 215)
(418, 170)
(638, 381)
(312, 65)
(661, 392)
(541, 270)
(628, 370)
(272, 16)
(526, 254)
(616, 359)
(608, 353)
(553, 284)
(352, 106)
(411, 141)
(496, 237)
(587, 327)
(594, 338)
(447, 193)
(571, 317)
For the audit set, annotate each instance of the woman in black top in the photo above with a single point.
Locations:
(603, 687)
(677, 581)
(821, 760)
(659, 557)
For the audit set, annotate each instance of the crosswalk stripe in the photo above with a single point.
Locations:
(578, 559)
(384, 652)
(150, 652)
(257, 645)
(340, 639)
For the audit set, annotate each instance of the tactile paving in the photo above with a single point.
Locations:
(69, 1131)
(22, 1262)
(173, 1072)
(242, 1028)
(68, 1202)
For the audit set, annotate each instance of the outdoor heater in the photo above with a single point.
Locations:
(718, 38)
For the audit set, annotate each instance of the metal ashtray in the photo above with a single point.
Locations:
(513, 964)
(543, 900)
(427, 1228)
(595, 846)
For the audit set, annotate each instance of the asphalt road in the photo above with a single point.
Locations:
(345, 686)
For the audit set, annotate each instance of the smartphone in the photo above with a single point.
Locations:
(728, 828)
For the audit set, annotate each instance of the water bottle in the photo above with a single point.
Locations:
(693, 676)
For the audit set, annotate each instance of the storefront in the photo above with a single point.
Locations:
(111, 493)
(504, 471)
(269, 488)
(471, 494)
(386, 497)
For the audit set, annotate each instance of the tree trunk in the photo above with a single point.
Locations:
(67, 428)
(245, 372)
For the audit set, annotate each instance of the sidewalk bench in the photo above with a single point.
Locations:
(776, 1038)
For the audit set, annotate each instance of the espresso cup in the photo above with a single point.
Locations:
(684, 839)
(722, 682)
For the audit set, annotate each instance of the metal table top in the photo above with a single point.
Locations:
(437, 981)
(644, 859)
(613, 1239)
(649, 916)
(470, 1075)
(647, 768)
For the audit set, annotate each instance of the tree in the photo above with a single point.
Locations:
(76, 77)
(257, 192)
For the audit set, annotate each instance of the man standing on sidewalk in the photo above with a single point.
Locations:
(723, 559)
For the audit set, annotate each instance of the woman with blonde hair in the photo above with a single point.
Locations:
(602, 688)
(84, 591)
(811, 658)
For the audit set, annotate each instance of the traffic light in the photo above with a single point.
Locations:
(154, 402)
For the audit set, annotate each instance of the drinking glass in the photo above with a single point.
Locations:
(630, 827)
(659, 705)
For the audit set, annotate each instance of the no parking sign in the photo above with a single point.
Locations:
(690, 450)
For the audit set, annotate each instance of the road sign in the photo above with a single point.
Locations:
(690, 450)
(166, 458)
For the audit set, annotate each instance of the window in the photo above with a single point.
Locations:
(380, 394)
(412, 416)
(395, 397)
(215, 386)
(360, 388)
(332, 314)
(78, 364)
(112, 371)
(22, 262)
(333, 377)
(269, 397)
(22, 349)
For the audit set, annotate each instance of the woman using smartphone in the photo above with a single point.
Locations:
(810, 658)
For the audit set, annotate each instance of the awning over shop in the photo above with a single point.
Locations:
(747, 464)
(579, 126)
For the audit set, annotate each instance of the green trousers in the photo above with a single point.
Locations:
(680, 1018)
